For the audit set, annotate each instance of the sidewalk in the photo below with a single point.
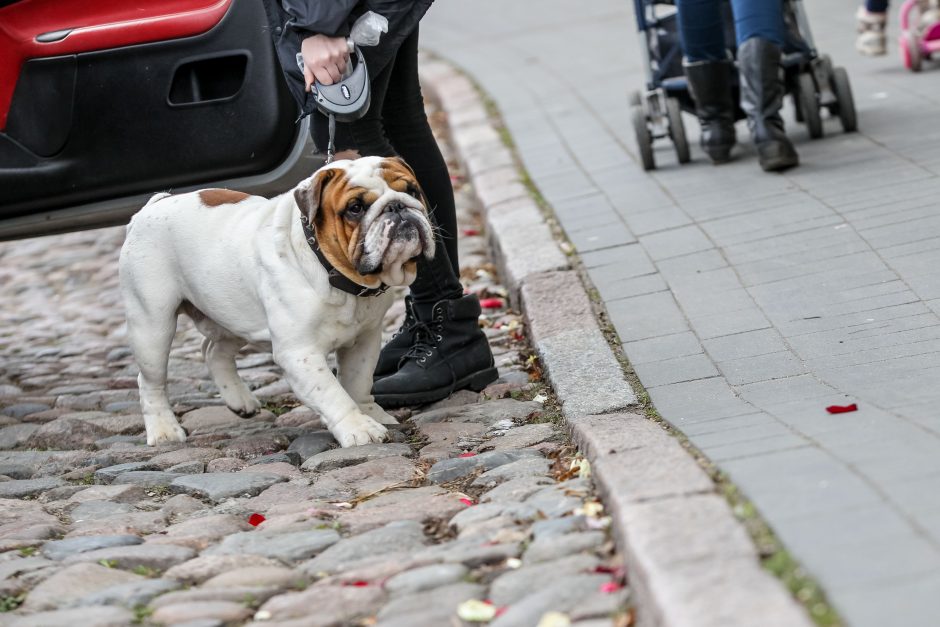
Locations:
(746, 313)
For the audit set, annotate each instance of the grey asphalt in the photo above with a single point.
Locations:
(749, 302)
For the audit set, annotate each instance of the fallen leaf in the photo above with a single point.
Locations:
(554, 619)
(470, 232)
(610, 586)
(475, 611)
(491, 303)
(842, 409)
(468, 455)
(256, 519)
(359, 583)
(466, 502)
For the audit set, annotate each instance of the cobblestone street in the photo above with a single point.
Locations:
(479, 510)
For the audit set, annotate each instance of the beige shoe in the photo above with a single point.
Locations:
(872, 39)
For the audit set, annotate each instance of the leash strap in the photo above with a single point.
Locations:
(331, 146)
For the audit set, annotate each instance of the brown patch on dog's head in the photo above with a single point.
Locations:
(402, 178)
(216, 197)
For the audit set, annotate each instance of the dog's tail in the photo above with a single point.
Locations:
(157, 197)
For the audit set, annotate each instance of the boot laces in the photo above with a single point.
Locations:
(427, 337)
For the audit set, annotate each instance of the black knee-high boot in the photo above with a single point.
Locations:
(761, 98)
(710, 84)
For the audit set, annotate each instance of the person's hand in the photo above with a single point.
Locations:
(325, 59)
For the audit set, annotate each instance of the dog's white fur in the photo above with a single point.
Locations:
(245, 274)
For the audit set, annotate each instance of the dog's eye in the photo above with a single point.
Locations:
(354, 210)
(412, 190)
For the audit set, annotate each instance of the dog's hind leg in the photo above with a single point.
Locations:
(151, 325)
(219, 349)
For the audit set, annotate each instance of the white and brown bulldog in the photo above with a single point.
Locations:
(302, 275)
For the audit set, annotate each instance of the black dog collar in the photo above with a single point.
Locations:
(337, 279)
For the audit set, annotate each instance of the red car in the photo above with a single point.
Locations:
(104, 103)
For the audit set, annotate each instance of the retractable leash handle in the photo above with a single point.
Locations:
(347, 100)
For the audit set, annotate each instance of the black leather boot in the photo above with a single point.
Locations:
(401, 342)
(761, 98)
(450, 353)
(710, 85)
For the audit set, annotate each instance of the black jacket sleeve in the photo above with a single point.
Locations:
(326, 17)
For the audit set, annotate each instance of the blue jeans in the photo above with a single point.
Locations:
(701, 26)
(876, 6)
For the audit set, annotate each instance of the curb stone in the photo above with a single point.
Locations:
(691, 562)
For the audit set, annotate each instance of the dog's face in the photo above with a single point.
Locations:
(370, 219)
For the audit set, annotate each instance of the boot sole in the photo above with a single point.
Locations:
(476, 382)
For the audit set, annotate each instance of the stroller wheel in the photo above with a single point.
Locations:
(809, 105)
(846, 107)
(910, 51)
(677, 130)
(644, 140)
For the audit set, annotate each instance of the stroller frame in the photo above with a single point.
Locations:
(810, 79)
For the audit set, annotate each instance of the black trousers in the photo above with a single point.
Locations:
(397, 125)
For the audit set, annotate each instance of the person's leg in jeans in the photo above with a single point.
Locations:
(708, 70)
(440, 347)
(759, 28)
(872, 19)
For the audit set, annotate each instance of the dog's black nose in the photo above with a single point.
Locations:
(396, 207)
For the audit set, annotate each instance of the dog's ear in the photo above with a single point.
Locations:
(309, 193)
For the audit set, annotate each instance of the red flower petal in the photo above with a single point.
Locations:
(841, 409)
(501, 610)
(358, 583)
(466, 502)
(468, 455)
(470, 232)
(256, 519)
(610, 586)
(491, 303)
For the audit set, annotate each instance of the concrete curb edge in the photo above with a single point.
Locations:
(690, 562)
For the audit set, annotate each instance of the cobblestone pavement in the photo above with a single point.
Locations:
(262, 520)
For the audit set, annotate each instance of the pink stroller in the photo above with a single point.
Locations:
(920, 31)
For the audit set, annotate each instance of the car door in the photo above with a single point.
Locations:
(104, 103)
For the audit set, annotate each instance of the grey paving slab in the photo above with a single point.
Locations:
(787, 292)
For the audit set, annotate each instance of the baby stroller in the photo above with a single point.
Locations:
(809, 77)
(920, 32)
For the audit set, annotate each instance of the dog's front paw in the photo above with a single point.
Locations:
(164, 430)
(379, 414)
(357, 428)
